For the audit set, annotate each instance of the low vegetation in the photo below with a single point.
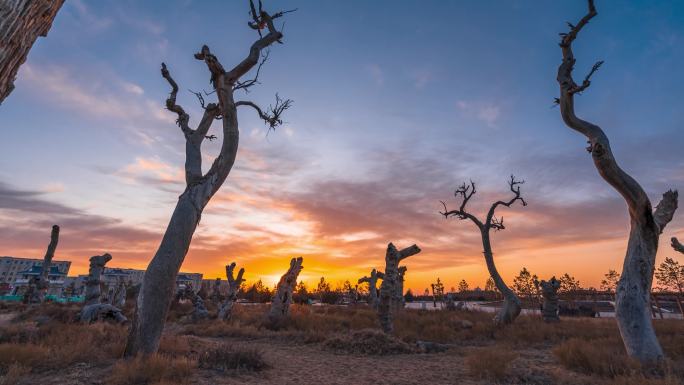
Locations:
(44, 341)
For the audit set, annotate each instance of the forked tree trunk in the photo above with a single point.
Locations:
(550, 294)
(388, 288)
(372, 287)
(632, 308)
(280, 306)
(21, 22)
(158, 285)
(226, 309)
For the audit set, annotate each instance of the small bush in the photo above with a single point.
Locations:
(490, 362)
(603, 357)
(233, 358)
(368, 342)
(153, 369)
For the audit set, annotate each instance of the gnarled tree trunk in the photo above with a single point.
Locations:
(21, 22)
(158, 285)
(372, 287)
(550, 294)
(280, 306)
(511, 305)
(226, 309)
(632, 307)
(388, 288)
(93, 310)
(43, 284)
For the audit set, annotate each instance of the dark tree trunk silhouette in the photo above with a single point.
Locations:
(550, 293)
(388, 289)
(511, 305)
(632, 309)
(21, 22)
(158, 286)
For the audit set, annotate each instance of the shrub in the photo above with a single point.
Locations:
(490, 362)
(233, 358)
(603, 357)
(152, 369)
(368, 342)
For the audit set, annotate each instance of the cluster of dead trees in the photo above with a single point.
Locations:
(157, 291)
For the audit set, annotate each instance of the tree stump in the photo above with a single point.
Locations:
(280, 307)
(550, 294)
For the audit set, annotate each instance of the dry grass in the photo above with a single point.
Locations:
(490, 363)
(154, 369)
(603, 357)
(239, 359)
(368, 342)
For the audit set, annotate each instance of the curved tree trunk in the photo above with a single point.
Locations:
(44, 282)
(510, 310)
(632, 308)
(158, 285)
(389, 284)
(21, 22)
(280, 306)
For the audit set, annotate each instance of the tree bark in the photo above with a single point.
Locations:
(44, 282)
(550, 294)
(372, 287)
(389, 284)
(632, 310)
(280, 306)
(93, 310)
(226, 309)
(511, 307)
(399, 292)
(21, 22)
(159, 282)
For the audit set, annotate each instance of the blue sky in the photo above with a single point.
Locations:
(396, 103)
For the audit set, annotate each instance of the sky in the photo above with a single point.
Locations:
(395, 105)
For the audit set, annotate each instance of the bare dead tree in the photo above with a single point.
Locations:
(511, 305)
(21, 22)
(372, 281)
(549, 291)
(93, 309)
(386, 305)
(632, 309)
(157, 289)
(38, 286)
(225, 311)
(280, 306)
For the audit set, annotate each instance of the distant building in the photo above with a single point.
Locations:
(55, 277)
(183, 279)
(12, 267)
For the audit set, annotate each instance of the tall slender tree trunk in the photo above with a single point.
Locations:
(158, 285)
(632, 304)
(21, 22)
(510, 310)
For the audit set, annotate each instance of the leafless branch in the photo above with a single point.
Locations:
(183, 117)
(676, 245)
(466, 192)
(273, 116)
(248, 83)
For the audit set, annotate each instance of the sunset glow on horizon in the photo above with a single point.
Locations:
(374, 141)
